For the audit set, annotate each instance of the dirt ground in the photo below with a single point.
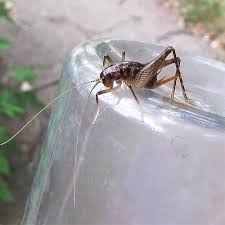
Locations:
(47, 30)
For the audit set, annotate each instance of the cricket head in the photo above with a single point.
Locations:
(106, 79)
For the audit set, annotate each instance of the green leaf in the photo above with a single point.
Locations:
(202, 10)
(4, 43)
(26, 73)
(5, 192)
(9, 105)
(15, 103)
(4, 165)
(5, 8)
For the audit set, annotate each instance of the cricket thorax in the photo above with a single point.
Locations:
(122, 71)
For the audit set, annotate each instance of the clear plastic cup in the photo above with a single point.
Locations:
(168, 169)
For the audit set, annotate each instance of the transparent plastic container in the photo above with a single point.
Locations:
(168, 169)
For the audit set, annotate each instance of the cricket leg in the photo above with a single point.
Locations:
(163, 81)
(178, 74)
(104, 92)
(168, 62)
(123, 56)
(176, 60)
(154, 68)
(109, 59)
(137, 100)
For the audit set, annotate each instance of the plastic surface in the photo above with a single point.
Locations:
(168, 169)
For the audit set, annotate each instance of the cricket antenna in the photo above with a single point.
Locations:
(52, 101)
(77, 140)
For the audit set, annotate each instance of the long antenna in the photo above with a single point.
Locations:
(77, 140)
(52, 101)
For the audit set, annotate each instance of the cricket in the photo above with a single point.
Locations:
(132, 74)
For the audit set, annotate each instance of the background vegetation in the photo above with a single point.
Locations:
(16, 96)
(211, 13)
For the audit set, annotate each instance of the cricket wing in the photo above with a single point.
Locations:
(146, 75)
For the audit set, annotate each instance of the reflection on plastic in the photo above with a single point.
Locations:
(168, 169)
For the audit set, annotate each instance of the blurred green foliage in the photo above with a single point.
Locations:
(5, 8)
(24, 73)
(209, 12)
(14, 102)
(5, 192)
(4, 43)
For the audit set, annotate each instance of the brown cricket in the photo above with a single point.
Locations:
(132, 74)
(139, 75)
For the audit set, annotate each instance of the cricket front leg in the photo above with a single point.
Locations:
(101, 93)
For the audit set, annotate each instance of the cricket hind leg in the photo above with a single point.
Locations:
(163, 81)
(168, 62)
(178, 74)
(176, 60)
(104, 92)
